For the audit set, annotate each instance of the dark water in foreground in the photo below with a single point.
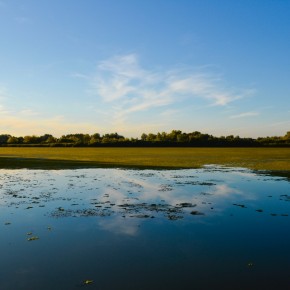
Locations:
(212, 228)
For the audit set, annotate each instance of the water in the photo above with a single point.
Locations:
(211, 228)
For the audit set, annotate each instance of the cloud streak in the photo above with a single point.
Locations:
(122, 81)
(127, 98)
(245, 115)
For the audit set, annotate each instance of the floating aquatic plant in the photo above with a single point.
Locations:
(34, 238)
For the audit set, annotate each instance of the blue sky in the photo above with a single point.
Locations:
(131, 66)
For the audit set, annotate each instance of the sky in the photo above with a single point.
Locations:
(132, 67)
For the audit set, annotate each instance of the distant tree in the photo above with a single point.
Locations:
(96, 136)
(51, 140)
(86, 139)
(20, 140)
(12, 140)
(161, 137)
(183, 137)
(173, 135)
(64, 139)
(31, 139)
(44, 138)
(4, 138)
(106, 140)
(112, 138)
(151, 137)
(144, 137)
(287, 136)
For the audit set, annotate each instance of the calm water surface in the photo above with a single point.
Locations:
(211, 228)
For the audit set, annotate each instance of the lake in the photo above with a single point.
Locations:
(107, 229)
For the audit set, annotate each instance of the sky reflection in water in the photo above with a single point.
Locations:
(211, 228)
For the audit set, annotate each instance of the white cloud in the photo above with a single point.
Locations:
(124, 90)
(225, 190)
(122, 82)
(244, 115)
(118, 225)
(126, 66)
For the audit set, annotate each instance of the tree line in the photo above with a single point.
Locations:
(175, 138)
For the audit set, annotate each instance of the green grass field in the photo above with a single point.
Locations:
(58, 158)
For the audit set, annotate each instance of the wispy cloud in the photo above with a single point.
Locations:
(245, 115)
(121, 90)
(131, 88)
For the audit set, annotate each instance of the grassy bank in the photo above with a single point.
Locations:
(58, 158)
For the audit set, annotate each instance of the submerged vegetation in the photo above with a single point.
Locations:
(175, 138)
